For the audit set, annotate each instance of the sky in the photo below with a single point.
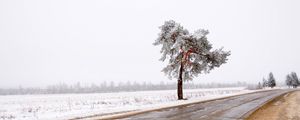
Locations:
(90, 41)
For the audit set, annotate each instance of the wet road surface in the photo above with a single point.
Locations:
(232, 108)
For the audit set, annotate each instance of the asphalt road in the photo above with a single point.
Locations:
(232, 108)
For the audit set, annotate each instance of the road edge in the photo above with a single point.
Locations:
(249, 113)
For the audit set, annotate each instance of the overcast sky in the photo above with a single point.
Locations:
(89, 41)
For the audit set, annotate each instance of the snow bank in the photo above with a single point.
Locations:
(66, 106)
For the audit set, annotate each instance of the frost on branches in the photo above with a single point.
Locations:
(193, 51)
(188, 54)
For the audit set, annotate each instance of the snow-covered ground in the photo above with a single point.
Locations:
(66, 106)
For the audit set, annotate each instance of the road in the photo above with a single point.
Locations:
(232, 108)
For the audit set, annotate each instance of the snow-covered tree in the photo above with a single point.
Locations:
(265, 83)
(288, 80)
(271, 80)
(188, 54)
(295, 81)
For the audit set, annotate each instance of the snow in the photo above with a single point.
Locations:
(67, 106)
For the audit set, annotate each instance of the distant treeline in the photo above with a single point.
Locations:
(112, 87)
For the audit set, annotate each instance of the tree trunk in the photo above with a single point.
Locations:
(179, 83)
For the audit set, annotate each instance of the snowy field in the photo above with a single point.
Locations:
(67, 106)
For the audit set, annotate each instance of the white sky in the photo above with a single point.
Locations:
(89, 41)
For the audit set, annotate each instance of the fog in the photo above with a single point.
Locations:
(61, 41)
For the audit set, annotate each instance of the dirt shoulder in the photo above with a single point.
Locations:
(286, 107)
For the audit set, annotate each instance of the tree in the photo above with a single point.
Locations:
(288, 80)
(294, 80)
(265, 83)
(271, 80)
(188, 54)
